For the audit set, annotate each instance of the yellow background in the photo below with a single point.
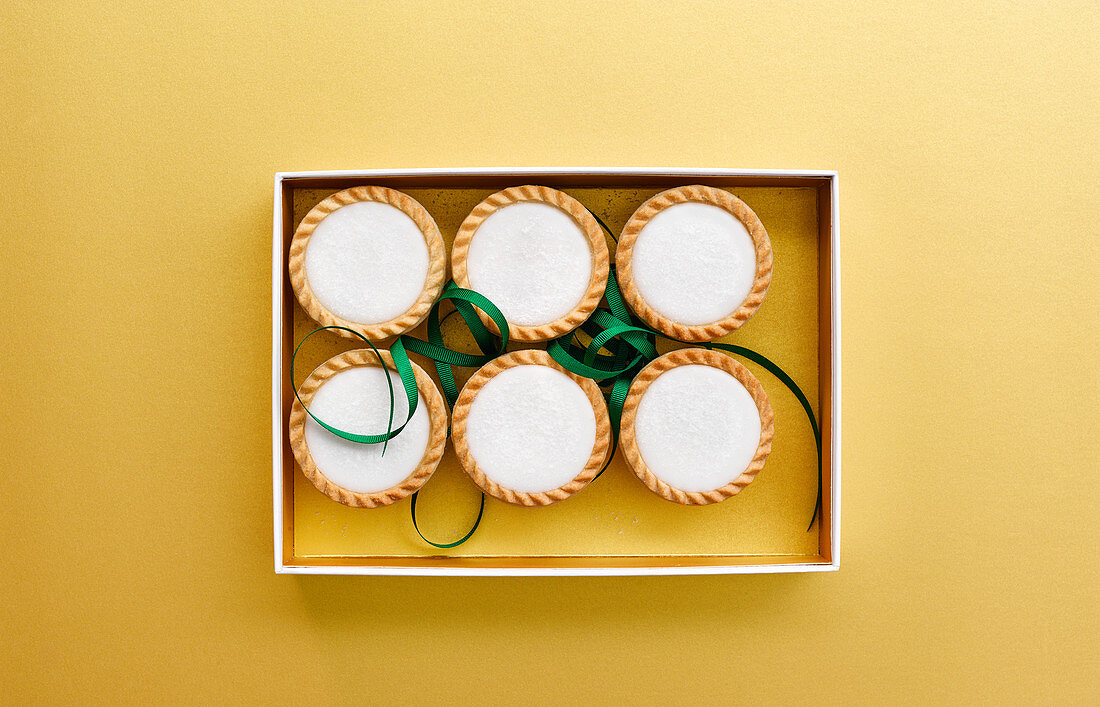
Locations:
(137, 151)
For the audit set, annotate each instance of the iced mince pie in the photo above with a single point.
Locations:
(529, 432)
(694, 262)
(350, 392)
(370, 259)
(696, 426)
(538, 255)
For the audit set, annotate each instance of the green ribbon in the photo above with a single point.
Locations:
(408, 381)
(456, 543)
(631, 347)
(793, 387)
(465, 302)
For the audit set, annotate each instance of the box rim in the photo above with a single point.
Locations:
(557, 571)
(509, 171)
(276, 378)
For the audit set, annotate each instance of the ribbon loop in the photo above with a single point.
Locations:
(793, 387)
(408, 380)
(465, 302)
(566, 360)
(456, 543)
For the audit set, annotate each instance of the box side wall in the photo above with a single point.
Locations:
(277, 334)
(283, 465)
(589, 178)
(836, 349)
(552, 572)
(825, 360)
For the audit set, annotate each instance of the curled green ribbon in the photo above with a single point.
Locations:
(456, 543)
(631, 336)
(793, 387)
(465, 302)
(408, 381)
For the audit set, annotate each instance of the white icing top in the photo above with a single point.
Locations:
(532, 261)
(694, 263)
(367, 262)
(697, 427)
(357, 400)
(531, 428)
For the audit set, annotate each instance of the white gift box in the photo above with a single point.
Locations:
(827, 555)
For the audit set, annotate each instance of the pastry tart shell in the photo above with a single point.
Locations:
(628, 443)
(437, 436)
(433, 281)
(600, 449)
(705, 195)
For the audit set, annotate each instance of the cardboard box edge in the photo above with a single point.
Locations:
(277, 304)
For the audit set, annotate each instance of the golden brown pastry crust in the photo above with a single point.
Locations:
(706, 195)
(433, 282)
(600, 449)
(437, 440)
(683, 357)
(588, 224)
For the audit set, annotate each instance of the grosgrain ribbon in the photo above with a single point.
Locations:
(465, 302)
(456, 543)
(793, 387)
(443, 358)
(604, 327)
(408, 381)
